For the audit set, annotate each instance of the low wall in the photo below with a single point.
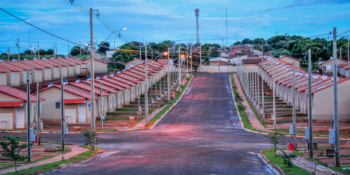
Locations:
(216, 69)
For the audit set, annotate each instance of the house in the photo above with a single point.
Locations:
(56, 70)
(76, 104)
(79, 65)
(23, 71)
(342, 68)
(12, 75)
(120, 95)
(321, 89)
(327, 66)
(252, 60)
(45, 75)
(35, 71)
(133, 62)
(13, 108)
(87, 89)
(217, 63)
(71, 66)
(290, 60)
(49, 69)
(99, 66)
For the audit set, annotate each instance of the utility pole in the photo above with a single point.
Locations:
(114, 45)
(341, 53)
(80, 49)
(92, 74)
(263, 99)
(258, 106)
(54, 49)
(179, 69)
(19, 57)
(146, 82)
(68, 50)
(348, 48)
(294, 112)
(310, 107)
(62, 116)
(138, 100)
(37, 113)
(200, 56)
(28, 116)
(140, 50)
(335, 86)
(168, 69)
(101, 106)
(38, 51)
(274, 102)
(8, 54)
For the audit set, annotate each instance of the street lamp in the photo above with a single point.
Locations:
(111, 35)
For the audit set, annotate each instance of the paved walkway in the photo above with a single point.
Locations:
(75, 150)
(251, 116)
(142, 123)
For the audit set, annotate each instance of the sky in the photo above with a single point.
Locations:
(159, 20)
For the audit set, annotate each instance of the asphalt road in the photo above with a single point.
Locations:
(200, 135)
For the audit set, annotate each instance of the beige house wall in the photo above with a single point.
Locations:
(37, 75)
(330, 66)
(8, 118)
(3, 78)
(55, 72)
(99, 67)
(71, 70)
(289, 60)
(13, 78)
(46, 74)
(323, 103)
(136, 61)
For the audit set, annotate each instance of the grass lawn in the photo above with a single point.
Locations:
(269, 154)
(50, 166)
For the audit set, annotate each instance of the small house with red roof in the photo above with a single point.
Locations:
(327, 66)
(133, 62)
(13, 108)
(290, 60)
(76, 105)
(22, 70)
(12, 75)
(99, 65)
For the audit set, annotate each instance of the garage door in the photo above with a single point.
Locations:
(20, 117)
(82, 113)
(6, 121)
(71, 115)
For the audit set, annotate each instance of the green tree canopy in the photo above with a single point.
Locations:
(75, 51)
(103, 48)
(28, 52)
(49, 52)
(41, 51)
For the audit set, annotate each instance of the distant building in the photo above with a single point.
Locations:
(133, 62)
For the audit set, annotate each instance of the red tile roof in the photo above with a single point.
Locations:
(74, 100)
(11, 103)
(71, 63)
(71, 90)
(124, 80)
(116, 82)
(163, 61)
(18, 65)
(134, 60)
(109, 84)
(59, 62)
(76, 60)
(133, 75)
(4, 70)
(87, 59)
(10, 68)
(98, 86)
(328, 85)
(87, 88)
(332, 60)
(50, 63)
(38, 62)
(35, 66)
(290, 58)
(17, 93)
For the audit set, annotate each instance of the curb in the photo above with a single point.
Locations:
(233, 97)
(171, 107)
(267, 162)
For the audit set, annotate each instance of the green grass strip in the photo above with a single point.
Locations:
(50, 166)
(293, 170)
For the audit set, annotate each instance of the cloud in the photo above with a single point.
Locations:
(302, 3)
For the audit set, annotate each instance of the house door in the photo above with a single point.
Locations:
(6, 121)
(20, 117)
(71, 115)
(82, 113)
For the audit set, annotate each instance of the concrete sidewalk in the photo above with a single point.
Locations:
(142, 123)
(251, 116)
(75, 150)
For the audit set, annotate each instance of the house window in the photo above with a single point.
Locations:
(36, 73)
(58, 105)
(45, 71)
(12, 75)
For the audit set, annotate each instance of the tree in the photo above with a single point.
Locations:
(75, 51)
(214, 53)
(11, 148)
(277, 42)
(274, 137)
(41, 51)
(237, 43)
(103, 48)
(28, 52)
(267, 48)
(247, 41)
(49, 52)
(90, 137)
(279, 52)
